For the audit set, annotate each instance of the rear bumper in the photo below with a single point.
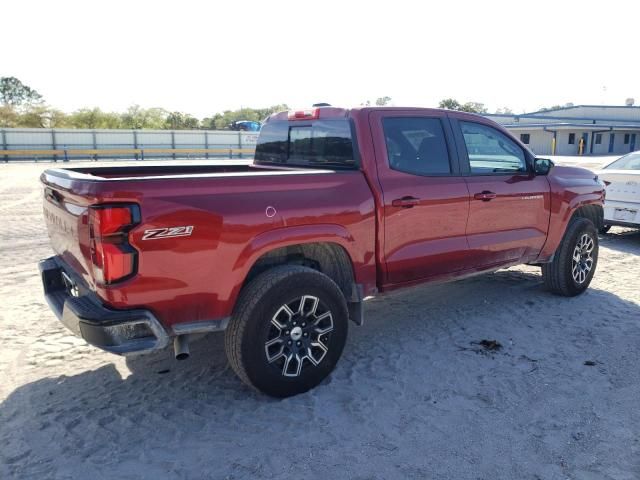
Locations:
(610, 206)
(122, 332)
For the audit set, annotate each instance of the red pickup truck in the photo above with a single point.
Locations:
(338, 205)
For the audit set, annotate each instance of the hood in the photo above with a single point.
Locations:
(576, 177)
(560, 171)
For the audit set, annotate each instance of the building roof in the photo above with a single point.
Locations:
(602, 115)
(582, 106)
(570, 126)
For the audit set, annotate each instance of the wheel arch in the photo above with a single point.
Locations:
(591, 211)
(326, 251)
(329, 258)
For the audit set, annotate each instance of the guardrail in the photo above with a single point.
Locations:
(67, 154)
(29, 144)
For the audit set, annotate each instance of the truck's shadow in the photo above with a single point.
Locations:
(407, 376)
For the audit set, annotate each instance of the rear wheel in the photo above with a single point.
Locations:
(288, 331)
(575, 261)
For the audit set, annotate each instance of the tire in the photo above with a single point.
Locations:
(271, 353)
(568, 276)
(604, 229)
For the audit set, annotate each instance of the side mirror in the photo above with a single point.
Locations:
(542, 166)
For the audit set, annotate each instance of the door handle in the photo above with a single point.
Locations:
(52, 195)
(485, 196)
(405, 202)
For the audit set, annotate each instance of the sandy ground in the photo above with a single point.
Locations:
(414, 395)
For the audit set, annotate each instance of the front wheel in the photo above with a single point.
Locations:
(574, 263)
(288, 330)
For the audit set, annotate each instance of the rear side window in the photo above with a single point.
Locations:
(319, 143)
(628, 162)
(491, 151)
(416, 145)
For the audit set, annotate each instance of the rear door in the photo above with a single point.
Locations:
(509, 205)
(622, 185)
(426, 202)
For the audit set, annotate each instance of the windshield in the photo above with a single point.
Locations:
(319, 143)
(628, 162)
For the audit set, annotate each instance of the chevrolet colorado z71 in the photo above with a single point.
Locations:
(338, 205)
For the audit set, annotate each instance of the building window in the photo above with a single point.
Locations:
(572, 138)
(525, 137)
(598, 138)
(626, 139)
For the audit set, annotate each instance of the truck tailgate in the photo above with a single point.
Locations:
(67, 225)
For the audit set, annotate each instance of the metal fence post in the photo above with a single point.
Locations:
(135, 141)
(53, 144)
(206, 144)
(240, 142)
(4, 144)
(173, 143)
(95, 145)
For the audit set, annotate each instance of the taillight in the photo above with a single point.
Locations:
(112, 256)
(309, 114)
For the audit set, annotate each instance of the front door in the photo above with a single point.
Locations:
(584, 142)
(612, 139)
(510, 206)
(425, 200)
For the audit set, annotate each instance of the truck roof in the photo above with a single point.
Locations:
(315, 113)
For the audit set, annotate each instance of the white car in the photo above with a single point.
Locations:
(622, 202)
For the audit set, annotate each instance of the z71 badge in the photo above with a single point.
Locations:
(169, 232)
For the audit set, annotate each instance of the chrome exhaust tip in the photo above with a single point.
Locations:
(181, 347)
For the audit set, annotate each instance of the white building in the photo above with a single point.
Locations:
(575, 130)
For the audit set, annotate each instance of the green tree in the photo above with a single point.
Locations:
(14, 93)
(9, 118)
(94, 118)
(449, 104)
(181, 121)
(41, 116)
(380, 102)
(471, 107)
(137, 117)
(504, 111)
(474, 107)
(555, 107)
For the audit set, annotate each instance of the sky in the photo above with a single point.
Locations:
(203, 57)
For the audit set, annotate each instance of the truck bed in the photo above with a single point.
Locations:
(231, 211)
(235, 168)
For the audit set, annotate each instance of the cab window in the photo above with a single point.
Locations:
(490, 151)
(416, 145)
(319, 143)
